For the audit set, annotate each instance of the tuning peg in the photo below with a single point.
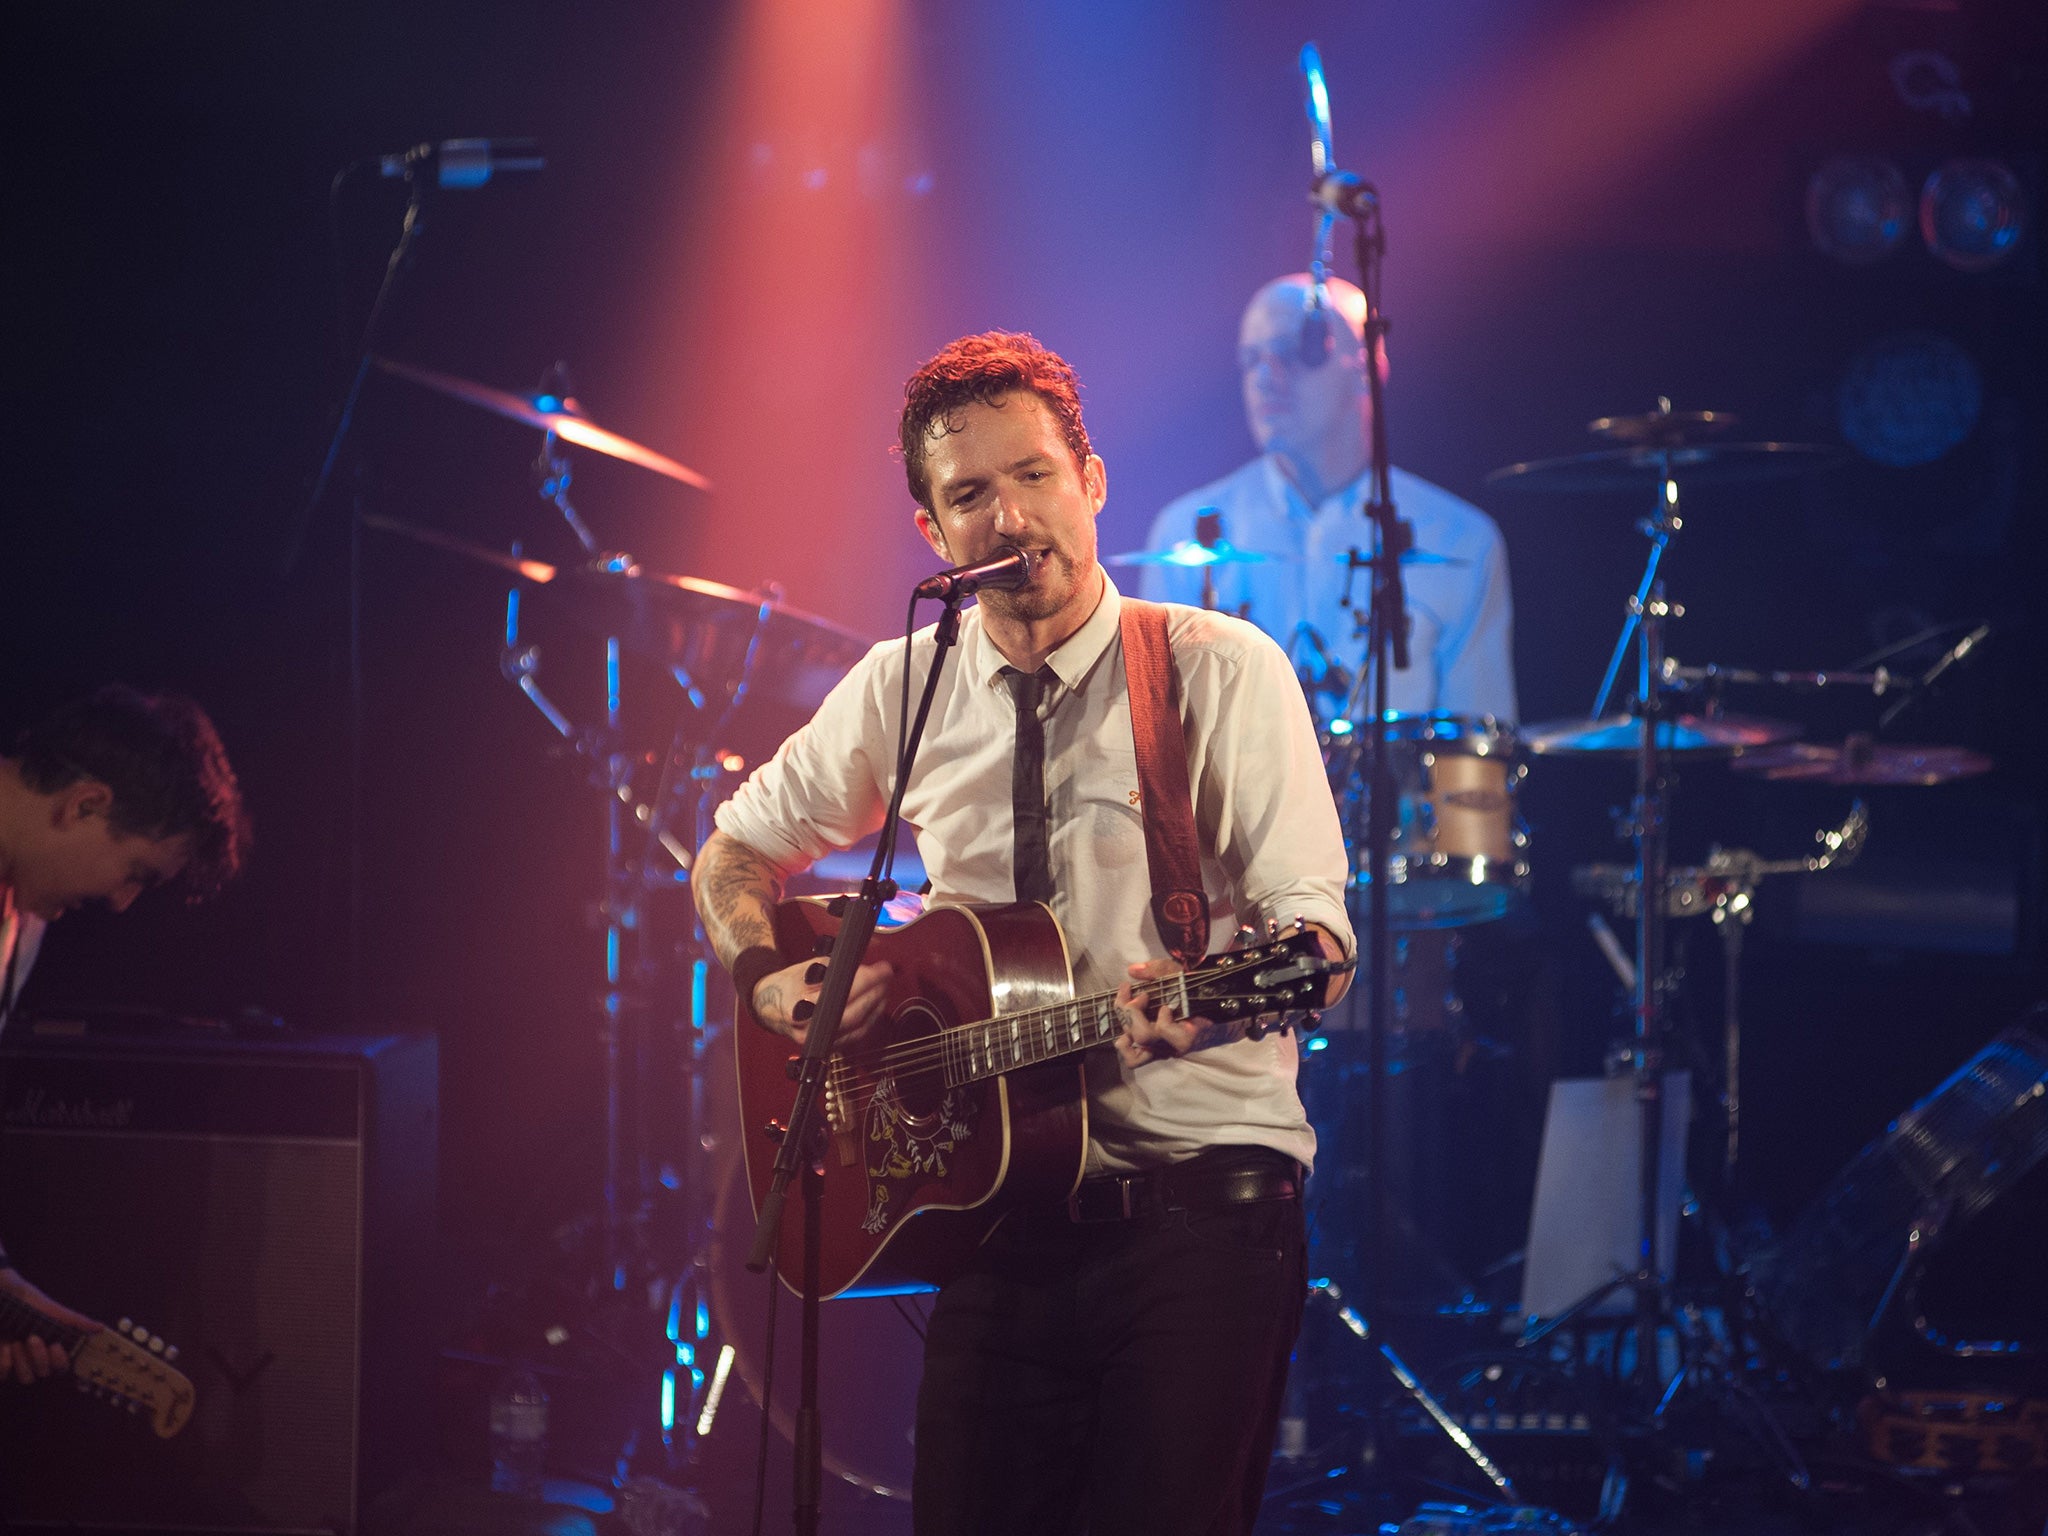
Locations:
(170, 1351)
(156, 1344)
(125, 1326)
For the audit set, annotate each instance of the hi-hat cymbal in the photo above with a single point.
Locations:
(1637, 469)
(715, 637)
(1862, 761)
(1614, 735)
(551, 413)
(1193, 555)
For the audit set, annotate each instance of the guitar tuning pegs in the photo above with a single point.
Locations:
(156, 1344)
(125, 1326)
(170, 1351)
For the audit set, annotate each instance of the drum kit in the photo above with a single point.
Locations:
(745, 666)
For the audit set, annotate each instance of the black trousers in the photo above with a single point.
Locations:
(1118, 1377)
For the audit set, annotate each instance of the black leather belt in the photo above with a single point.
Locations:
(1206, 1181)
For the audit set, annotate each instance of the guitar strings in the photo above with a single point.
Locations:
(921, 1055)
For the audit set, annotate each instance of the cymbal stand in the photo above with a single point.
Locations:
(1643, 632)
(1651, 1287)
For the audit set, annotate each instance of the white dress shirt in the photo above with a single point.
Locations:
(1272, 845)
(1461, 615)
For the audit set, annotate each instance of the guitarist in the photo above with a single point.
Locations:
(1115, 1362)
(104, 798)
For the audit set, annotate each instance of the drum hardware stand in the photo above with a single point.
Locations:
(1724, 888)
(627, 1186)
(800, 1139)
(1701, 1360)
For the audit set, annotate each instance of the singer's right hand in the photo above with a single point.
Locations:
(784, 1000)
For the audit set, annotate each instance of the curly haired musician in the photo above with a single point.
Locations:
(1114, 1362)
(101, 800)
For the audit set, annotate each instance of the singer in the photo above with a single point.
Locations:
(1117, 1359)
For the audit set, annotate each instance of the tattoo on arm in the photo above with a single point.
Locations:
(736, 890)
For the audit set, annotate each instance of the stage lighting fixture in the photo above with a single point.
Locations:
(1972, 214)
(1909, 398)
(1857, 208)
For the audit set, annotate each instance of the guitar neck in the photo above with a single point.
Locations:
(974, 1052)
(19, 1320)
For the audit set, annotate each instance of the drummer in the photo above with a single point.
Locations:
(1300, 505)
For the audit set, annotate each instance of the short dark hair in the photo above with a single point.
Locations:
(982, 369)
(163, 760)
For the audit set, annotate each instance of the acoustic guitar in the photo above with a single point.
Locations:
(968, 1096)
(126, 1366)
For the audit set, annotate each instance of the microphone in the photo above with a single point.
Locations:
(1000, 571)
(460, 164)
(1342, 193)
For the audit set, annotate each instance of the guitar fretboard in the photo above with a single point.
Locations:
(1002, 1044)
(19, 1320)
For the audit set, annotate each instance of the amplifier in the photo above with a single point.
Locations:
(267, 1207)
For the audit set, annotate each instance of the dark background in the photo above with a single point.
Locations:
(1590, 202)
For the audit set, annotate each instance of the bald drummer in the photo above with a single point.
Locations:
(1301, 503)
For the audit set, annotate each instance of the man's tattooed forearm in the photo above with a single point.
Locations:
(735, 888)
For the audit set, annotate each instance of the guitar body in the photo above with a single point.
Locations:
(919, 1165)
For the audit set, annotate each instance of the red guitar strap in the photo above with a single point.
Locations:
(1179, 905)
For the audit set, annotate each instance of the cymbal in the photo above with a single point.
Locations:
(713, 636)
(1617, 734)
(1860, 760)
(1638, 468)
(1663, 427)
(558, 414)
(1193, 555)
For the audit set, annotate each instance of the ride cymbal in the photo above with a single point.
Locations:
(1637, 469)
(551, 413)
(1616, 735)
(1861, 761)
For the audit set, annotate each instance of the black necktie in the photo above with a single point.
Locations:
(1031, 866)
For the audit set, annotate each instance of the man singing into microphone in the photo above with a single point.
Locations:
(1300, 503)
(1116, 1360)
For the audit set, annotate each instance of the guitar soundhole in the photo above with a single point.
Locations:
(920, 1090)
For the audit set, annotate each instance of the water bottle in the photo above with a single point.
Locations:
(519, 1434)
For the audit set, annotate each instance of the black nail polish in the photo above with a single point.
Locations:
(802, 1011)
(815, 974)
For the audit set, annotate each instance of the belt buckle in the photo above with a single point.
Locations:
(1123, 1191)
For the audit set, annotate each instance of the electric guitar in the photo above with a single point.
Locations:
(126, 1365)
(968, 1096)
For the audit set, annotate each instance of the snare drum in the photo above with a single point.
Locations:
(1459, 851)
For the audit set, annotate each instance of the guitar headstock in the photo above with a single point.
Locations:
(131, 1367)
(1272, 982)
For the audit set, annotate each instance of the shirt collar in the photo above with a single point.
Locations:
(1076, 656)
(1283, 489)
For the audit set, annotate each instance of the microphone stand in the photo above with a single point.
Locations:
(798, 1149)
(417, 189)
